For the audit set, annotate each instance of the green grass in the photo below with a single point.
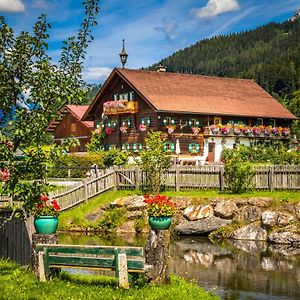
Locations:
(17, 283)
(76, 218)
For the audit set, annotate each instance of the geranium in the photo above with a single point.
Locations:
(195, 130)
(224, 130)
(46, 207)
(159, 206)
(247, 130)
(275, 131)
(109, 130)
(123, 128)
(214, 128)
(4, 174)
(171, 128)
(142, 127)
(285, 131)
(256, 130)
(237, 130)
(114, 104)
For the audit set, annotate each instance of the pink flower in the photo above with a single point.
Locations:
(4, 174)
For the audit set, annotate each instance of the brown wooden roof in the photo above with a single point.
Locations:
(189, 93)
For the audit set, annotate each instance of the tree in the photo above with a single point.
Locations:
(32, 90)
(154, 162)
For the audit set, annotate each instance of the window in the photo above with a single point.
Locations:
(194, 148)
(126, 122)
(168, 121)
(194, 123)
(217, 120)
(170, 147)
(73, 127)
(131, 96)
(272, 122)
(146, 121)
(260, 121)
(109, 147)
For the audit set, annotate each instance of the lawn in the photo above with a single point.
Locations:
(17, 283)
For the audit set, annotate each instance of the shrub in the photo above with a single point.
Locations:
(238, 174)
(112, 218)
(114, 157)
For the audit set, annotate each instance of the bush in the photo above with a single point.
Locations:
(112, 218)
(238, 174)
(115, 157)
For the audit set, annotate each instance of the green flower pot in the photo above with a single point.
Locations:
(159, 223)
(45, 224)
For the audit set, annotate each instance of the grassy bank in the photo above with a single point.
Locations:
(17, 283)
(76, 217)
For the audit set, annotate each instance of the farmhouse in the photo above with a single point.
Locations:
(68, 123)
(198, 115)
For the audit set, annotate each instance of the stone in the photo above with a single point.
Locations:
(136, 203)
(249, 246)
(297, 210)
(284, 219)
(250, 232)
(126, 227)
(269, 218)
(285, 249)
(248, 214)
(260, 201)
(95, 215)
(285, 237)
(131, 215)
(225, 209)
(181, 202)
(204, 226)
(205, 259)
(197, 212)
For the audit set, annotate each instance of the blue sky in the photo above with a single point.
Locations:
(153, 29)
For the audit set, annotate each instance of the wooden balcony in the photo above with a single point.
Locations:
(120, 107)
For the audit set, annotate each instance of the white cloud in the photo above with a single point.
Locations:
(169, 28)
(216, 7)
(12, 6)
(96, 73)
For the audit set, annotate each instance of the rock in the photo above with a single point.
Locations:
(197, 212)
(284, 219)
(249, 246)
(285, 237)
(297, 210)
(181, 202)
(95, 215)
(131, 215)
(137, 203)
(260, 201)
(249, 214)
(204, 259)
(250, 232)
(126, 227)
(203, 226)
(285, 249)
(269, 218)
(225, 209)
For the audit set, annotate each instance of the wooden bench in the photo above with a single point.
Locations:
(122, 260)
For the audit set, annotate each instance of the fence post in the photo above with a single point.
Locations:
(177, 176)
(221, 176)
(69, 172)
(137, 178)
(85, 190)
(270, 178)
(116, 178)
(97, 175)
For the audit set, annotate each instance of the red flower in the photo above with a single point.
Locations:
(55, 204)
(4, 174)
(44, 198)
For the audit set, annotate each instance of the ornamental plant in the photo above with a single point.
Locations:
(142, 127)
(159, 206)
(171, 128)
(46, 207)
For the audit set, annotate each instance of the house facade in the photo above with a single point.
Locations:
(69, 123)
(198, 116)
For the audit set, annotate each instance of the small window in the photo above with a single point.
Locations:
(126, 122)
(272, 122)
(146, 121)
(116, 97)
(194, 123)
(73, 127)
(111, 147)
(170, 147)
(260, 121)
(168, 121)
(131, 96)
(194, 148)
(217, 120)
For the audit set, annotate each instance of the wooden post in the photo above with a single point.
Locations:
(121, 270)
(270, 178)
(221, 177)
(177, 180)
(41, 267)
(137, 178)
(97, 175)
(69, 172)
(116, 179)
(85, 190)
(157, 254)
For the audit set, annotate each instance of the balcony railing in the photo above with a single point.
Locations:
(120, 107)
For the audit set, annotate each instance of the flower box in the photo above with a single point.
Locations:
(120, 107)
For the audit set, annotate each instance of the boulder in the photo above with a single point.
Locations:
(95, 215)
(126, 227)
(285, 237)
(269, 218)
(250, 232)
(225, 209)
(248, 214)
(249, 246)
(204, 226)
(197, 212)
(131, 215)
(260, 201)
(285, 249)
(136, 203)
(284, 219)
(297, 210)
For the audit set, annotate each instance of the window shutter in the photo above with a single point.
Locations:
(143, 121)
(190, 147)
(172, 147)
(172, 121)
(128, 146)
(197, 147)
(148, 121)
(165, 121)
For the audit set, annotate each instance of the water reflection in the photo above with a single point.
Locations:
(233, 269)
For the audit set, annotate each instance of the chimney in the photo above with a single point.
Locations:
(161, 68)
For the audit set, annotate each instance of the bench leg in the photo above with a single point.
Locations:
(41, 267)
(122, 271)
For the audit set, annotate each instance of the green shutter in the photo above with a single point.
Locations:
(197, 147)
(165, 121)
(172, 147)
(142, 121)
(148, 121)
(190, 147)
(172, 121)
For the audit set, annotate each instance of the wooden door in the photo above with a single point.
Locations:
(211, 152)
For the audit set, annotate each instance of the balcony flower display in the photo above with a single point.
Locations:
(214, 128)
(109, 130)
(225, 130)
(114, 104)
(285, 131)
(237, 130)
(267, 131)
(124, 128)
(142, 127)
(171, 128)
(247, 130)
(195, 130)
(256, 130)
(275, 131)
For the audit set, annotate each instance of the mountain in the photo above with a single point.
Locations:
(269, 54)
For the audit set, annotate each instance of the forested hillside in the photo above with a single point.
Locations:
(269, 54)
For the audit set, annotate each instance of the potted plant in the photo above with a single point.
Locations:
(171, 128)
(160, 210)
(45, 214)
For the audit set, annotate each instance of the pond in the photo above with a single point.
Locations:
(233, 270)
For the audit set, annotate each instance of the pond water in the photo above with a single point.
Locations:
(233, 269)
